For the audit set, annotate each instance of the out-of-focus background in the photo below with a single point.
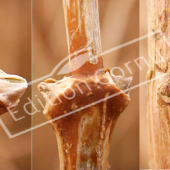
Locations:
(15, 58)
(120, 22)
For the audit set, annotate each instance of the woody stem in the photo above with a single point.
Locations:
(83, 37)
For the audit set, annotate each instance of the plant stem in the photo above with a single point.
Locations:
(159, 90)
(84, 133)
(83, 36)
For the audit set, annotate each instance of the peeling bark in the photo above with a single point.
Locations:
(84, 108)
(84, 135)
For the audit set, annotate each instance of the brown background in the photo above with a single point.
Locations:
(15, 58)
(119, 24)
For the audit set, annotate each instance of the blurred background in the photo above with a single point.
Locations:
(33, 50)
(15, 58)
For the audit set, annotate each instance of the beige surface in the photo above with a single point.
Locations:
(144, 164)
(15, 58)
(119, 24)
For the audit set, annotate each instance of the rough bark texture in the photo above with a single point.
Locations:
(84, 136)
(159, 90)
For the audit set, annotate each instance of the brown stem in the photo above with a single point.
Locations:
(83, 135)
(84, 101)
(159, 90)
(83, 36)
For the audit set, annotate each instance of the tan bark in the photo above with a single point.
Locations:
(159, 89)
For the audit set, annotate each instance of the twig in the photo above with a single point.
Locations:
(159, 90)
(83, 32)
(84, 137)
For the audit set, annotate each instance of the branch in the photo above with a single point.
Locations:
(80, 109)
(83, 36)
(159, 89)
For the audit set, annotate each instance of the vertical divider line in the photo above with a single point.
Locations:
(31, 80)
